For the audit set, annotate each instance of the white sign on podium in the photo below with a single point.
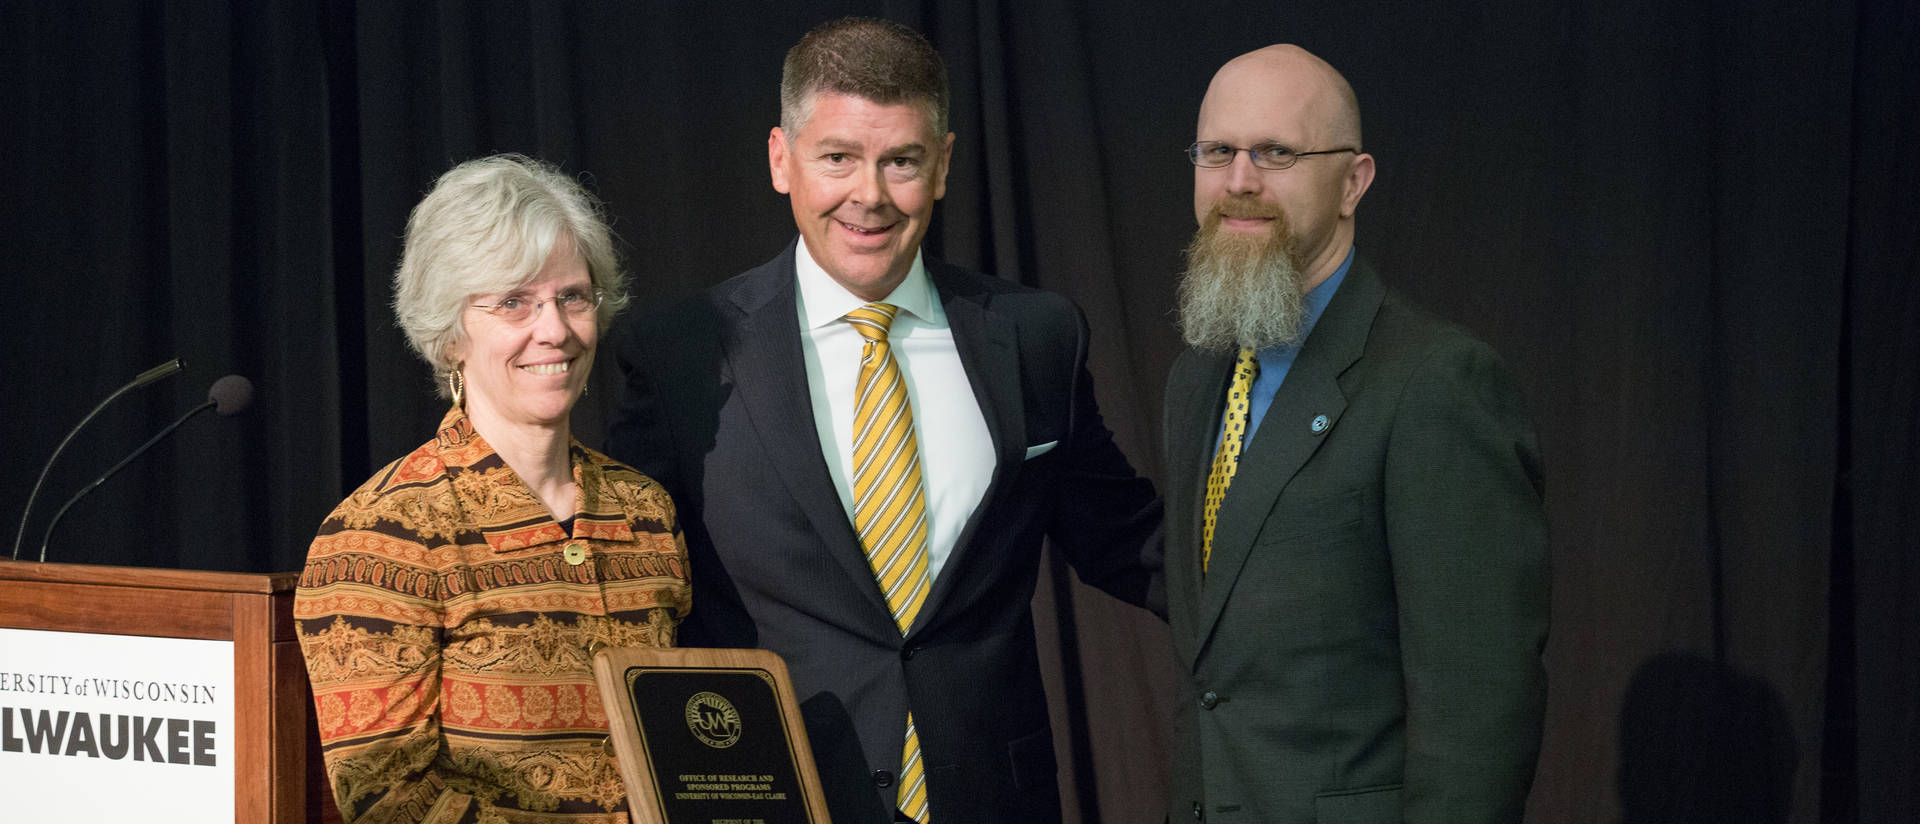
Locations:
(115, 727)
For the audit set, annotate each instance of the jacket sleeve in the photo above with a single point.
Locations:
(370, 633)
(1468, 541)
(1107, 519)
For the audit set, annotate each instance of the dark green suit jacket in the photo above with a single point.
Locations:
(1365, 644)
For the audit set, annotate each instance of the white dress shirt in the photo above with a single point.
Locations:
(956, 452)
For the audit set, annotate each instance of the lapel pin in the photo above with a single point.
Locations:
(1319, 424)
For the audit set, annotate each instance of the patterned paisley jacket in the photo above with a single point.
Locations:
(448, 624)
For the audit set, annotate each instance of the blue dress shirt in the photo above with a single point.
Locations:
(1276, 361)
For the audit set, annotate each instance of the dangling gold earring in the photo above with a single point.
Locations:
(457, 384)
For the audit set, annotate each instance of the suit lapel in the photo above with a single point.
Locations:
(1287, 437)
(989, 351)
(1197, 393)
(763, 352)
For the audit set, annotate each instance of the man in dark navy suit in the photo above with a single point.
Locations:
(867, 446)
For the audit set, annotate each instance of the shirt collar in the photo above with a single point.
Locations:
(824, 301)
(1319, 296)
(600, 515)
(1315, 302)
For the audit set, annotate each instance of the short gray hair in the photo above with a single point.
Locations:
(876, 60)
(488, 226)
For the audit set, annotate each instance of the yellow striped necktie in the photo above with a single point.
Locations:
(1226, 460)
(890, 506)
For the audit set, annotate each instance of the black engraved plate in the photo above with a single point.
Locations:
(716, 743)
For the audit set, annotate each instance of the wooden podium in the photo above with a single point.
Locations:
(276, 771)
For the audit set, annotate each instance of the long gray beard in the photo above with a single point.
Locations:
(1240, 292)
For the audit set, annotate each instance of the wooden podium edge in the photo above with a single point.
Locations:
(609, 666)
(264, 583)
(251, 611)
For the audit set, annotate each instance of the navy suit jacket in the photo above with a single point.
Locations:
(717, 409)
(1364, 646)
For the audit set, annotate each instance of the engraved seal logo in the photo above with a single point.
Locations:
(713, 720)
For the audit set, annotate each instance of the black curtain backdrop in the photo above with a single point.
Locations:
(1691, 226)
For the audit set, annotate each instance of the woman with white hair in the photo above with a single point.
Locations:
(451, 605)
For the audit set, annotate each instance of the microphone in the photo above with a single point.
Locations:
(168, 369)
(229, 396)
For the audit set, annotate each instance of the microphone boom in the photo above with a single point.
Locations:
(55, 521)
(164, 370)
(229, 396)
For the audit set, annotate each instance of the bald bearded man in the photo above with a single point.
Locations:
(1356, 552)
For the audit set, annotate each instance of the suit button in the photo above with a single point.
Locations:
(1209, 700)
(908, 653)
(882, 779)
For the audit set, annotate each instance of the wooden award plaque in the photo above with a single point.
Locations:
(709, 736)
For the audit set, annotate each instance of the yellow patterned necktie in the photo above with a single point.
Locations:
(1226, 460)
(890, 506)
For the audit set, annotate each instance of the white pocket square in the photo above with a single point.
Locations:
(1039, 449)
